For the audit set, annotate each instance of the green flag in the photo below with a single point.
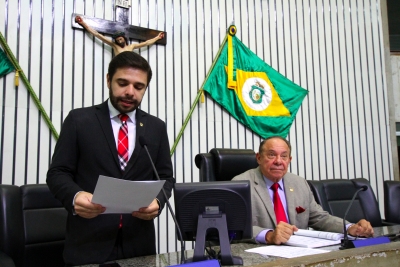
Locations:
(5, 64)
(252, 91)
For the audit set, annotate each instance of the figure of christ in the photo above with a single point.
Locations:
(120, 43)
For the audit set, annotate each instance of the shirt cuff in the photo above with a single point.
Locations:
(348, 226)
(73, 203)
(260, 238)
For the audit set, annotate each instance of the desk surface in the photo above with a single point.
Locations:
(367, 256)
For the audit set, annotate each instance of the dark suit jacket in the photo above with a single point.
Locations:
(86, 149)
(297, 194)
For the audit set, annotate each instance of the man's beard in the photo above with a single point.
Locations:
(121, 44)
(115, 100)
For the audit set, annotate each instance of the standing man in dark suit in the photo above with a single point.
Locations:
(87, 148)
(297, 207)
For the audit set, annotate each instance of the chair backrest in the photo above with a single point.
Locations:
(44, 220)
(334, 196)
(37, 226)
(11, 235)
(222, 164)
(392, 201)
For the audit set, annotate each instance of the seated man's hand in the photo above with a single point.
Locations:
(362, 228)
(84, 206)
(281, 234)
(148, 213)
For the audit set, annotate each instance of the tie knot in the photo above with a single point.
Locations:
(123, 117)
(275, 186)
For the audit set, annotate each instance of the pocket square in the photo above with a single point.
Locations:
(300, 209)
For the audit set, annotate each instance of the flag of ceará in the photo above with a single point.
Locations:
(5, 64)
(252, 91)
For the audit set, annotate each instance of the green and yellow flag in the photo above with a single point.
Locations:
(252, 91)
(5, 64)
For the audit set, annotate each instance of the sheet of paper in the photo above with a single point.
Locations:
(285, 251)
(123, 196)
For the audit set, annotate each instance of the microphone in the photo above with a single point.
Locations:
(143, 143)
(346, 243)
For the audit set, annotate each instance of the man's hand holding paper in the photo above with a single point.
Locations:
(147, 213)
(280, 234)
(84, 206)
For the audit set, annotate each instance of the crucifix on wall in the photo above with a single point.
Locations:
(120, 30)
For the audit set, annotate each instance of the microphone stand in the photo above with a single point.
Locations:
(141, 141)
(346, 243)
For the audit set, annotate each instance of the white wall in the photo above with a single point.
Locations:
(334, 48)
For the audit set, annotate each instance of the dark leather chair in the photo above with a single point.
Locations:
(33, 226)
(10, 224)
(392, 201)
(334, 196)
(222, 164)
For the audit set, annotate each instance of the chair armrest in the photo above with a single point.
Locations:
(5, 260)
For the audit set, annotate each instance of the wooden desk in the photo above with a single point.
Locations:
(379, 255)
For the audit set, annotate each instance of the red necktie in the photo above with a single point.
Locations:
(278, 207)
(123, 145)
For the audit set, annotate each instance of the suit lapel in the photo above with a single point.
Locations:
(103, 116)
(290, 193)
(262, 191)
(141, 120)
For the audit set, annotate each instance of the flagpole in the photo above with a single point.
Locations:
(197, 98)
(27, 84)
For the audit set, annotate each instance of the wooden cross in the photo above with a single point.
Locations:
(109, 27)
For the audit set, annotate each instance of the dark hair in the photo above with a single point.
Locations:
(129, 59)
(118, 34)
(272, 137)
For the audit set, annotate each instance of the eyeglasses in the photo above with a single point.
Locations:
(272, 155)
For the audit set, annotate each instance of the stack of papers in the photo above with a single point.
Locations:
(319, 234)
(302, 243)
(313, 239)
